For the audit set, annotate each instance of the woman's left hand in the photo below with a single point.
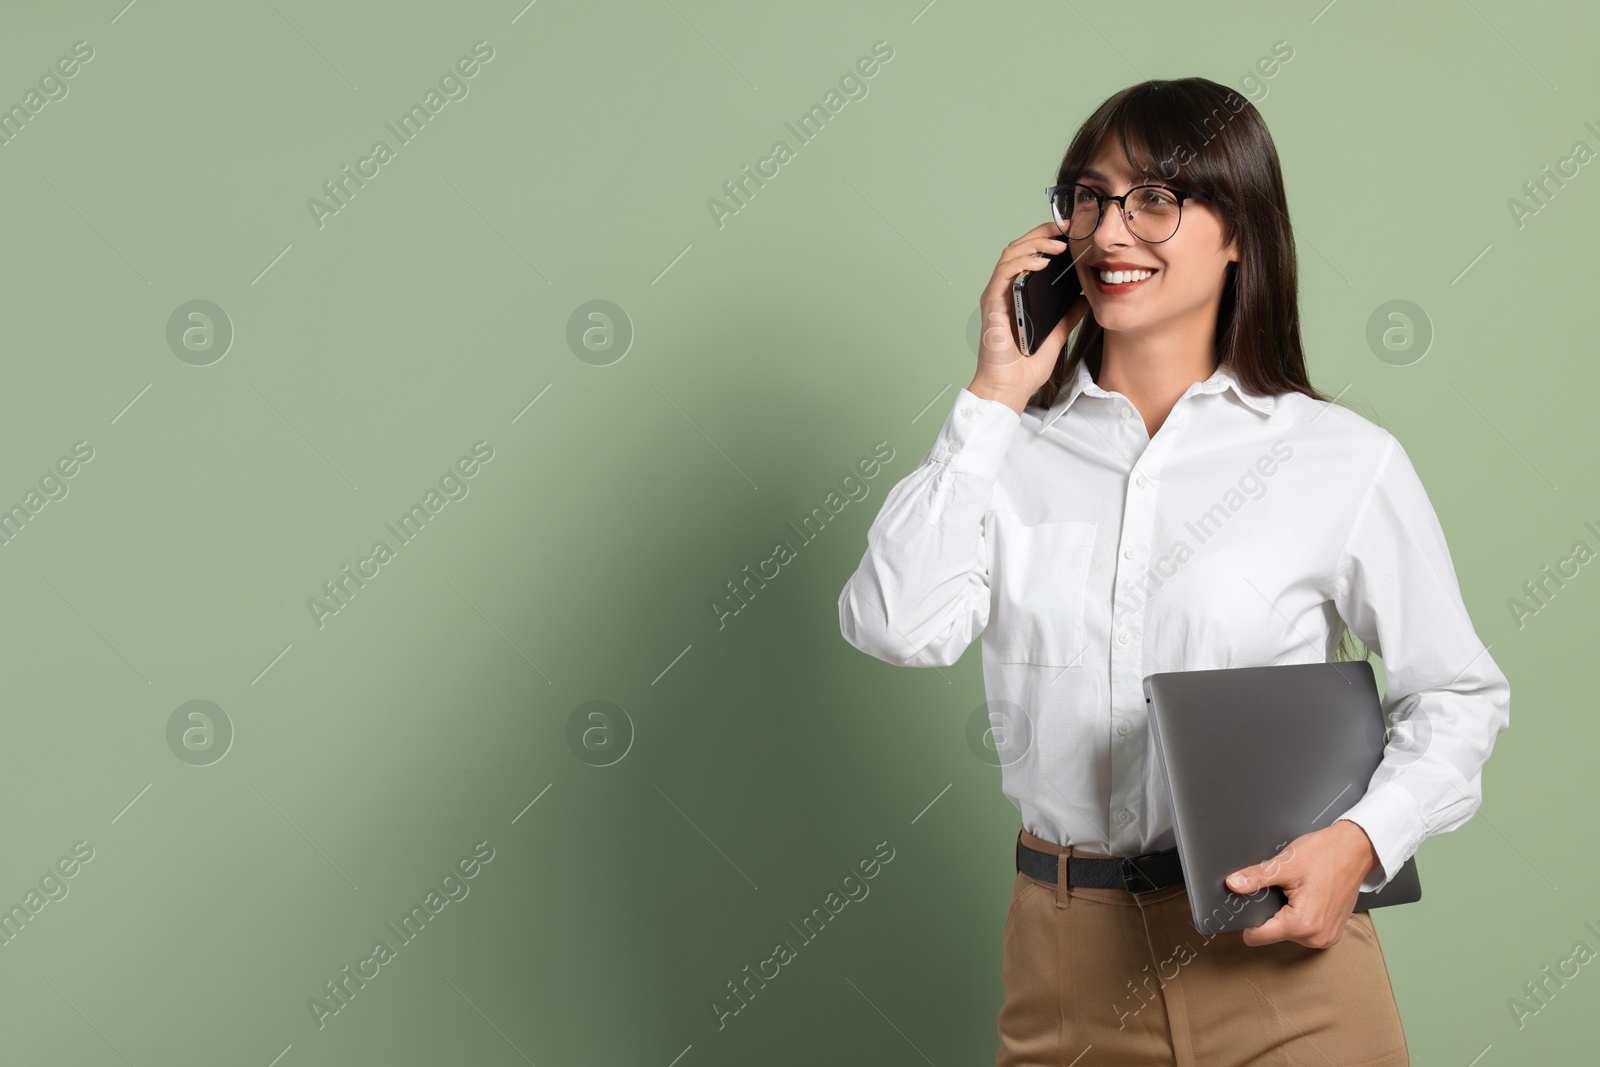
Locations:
(1321, 872)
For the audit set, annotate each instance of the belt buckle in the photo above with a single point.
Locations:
(1135, 879)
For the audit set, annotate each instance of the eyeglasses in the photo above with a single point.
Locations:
(1152, 212)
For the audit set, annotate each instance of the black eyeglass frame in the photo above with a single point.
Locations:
(1180, 195)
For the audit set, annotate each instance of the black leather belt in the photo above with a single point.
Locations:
(1143, 873)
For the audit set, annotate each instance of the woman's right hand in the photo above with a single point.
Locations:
(1004, 373)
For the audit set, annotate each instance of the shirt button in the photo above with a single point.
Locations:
(1122, 728)
(1140, 482)
(1122, 638)
(1126, 413)
(1128, 552)
(966, 413)
(1124, 815)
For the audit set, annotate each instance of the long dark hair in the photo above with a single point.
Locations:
(1194, 134)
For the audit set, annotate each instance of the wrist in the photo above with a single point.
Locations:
(1361, 845)
(1011, 398)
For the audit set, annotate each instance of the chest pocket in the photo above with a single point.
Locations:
(1038, 575)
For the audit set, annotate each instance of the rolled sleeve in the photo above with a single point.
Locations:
(921, 592)
(1446, 698)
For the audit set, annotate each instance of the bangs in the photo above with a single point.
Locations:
(1161, 141)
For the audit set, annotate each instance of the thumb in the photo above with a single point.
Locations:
(1245, 880)
(1279, 870)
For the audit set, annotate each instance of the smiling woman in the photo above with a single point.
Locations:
(1055, 481)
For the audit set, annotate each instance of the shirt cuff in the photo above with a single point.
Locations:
(976, 435)
(1389, 815)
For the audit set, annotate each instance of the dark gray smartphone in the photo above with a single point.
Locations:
(1040, 297)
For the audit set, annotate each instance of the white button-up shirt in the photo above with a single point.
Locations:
(1089, 554)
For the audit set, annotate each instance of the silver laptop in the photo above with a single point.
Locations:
(1253, 757)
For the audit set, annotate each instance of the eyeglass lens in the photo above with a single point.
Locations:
(1152, 212)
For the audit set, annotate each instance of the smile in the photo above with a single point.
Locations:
(1113, 282)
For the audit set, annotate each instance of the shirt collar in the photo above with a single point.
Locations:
(1221, 378)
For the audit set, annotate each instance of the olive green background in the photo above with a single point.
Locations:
(744, 369)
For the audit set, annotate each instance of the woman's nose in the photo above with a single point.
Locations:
(1113, 228)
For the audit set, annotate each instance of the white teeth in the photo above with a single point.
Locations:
(1117, 277)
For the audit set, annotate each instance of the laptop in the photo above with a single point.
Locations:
(1252, 758)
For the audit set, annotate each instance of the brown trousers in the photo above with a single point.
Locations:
(1105, 976)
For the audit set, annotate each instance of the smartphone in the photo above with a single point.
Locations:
(1040, 297)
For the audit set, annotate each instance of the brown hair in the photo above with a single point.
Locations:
(1194, 134)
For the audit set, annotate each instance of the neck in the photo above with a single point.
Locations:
(1152, 369)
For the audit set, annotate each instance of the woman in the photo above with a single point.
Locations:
(1174, 495)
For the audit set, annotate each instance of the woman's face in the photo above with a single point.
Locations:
(1189, 267)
